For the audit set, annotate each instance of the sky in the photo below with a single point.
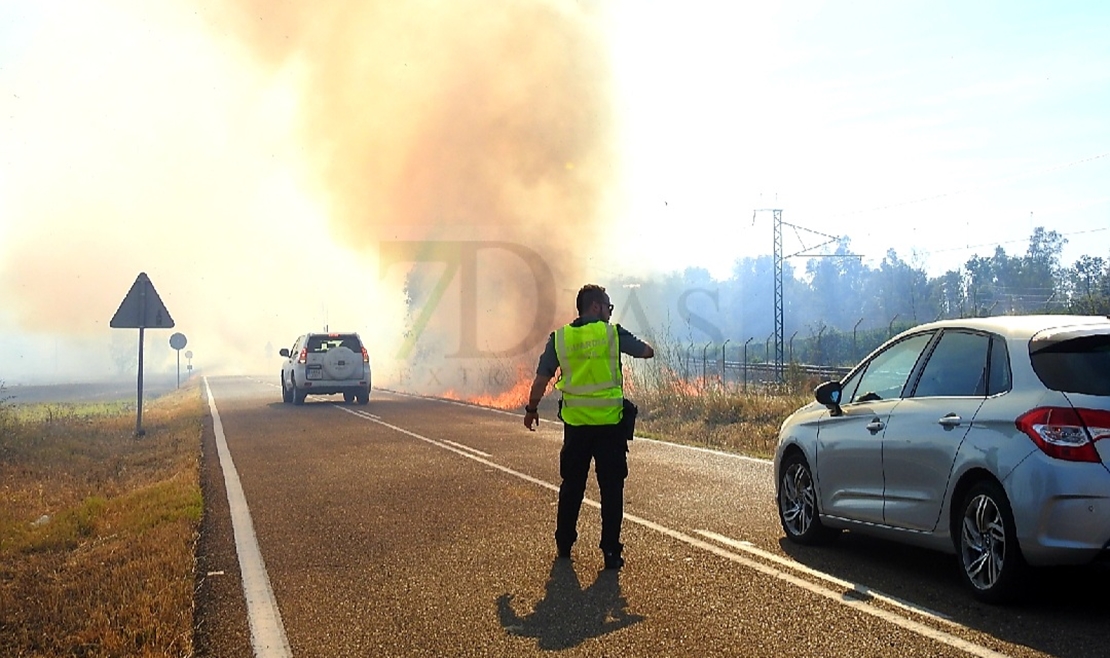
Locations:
(442, 176)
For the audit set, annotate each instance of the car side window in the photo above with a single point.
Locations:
(957, 366)
(886, 374)
(999, 379)
(848, 386)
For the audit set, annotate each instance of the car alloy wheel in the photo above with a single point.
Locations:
(987, 545)
(797, 501)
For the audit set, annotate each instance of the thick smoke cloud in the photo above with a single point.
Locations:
(280, 166)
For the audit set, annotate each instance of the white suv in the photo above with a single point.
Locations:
(326, 364)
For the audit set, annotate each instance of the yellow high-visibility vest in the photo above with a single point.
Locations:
(590, 374)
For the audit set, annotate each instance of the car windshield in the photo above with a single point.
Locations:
(1077, 365)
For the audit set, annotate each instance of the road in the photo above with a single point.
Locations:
(419, 527)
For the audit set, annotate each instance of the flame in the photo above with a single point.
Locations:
(514, 397)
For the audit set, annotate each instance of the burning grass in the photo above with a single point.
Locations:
(708, 413)
(97, 527)
(513, 397)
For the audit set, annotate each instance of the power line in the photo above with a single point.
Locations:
(998, 183)
(999, 244)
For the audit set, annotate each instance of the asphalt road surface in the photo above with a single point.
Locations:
(419, 527)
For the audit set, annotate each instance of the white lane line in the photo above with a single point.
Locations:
(467, 448)
(850, 600)
(267, 632)
(369, 416)
(862, 590)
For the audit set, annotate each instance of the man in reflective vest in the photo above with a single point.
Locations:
(586, 354)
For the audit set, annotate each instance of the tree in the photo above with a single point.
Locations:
(1090, 294)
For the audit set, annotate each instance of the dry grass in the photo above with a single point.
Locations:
(713, 414)
(97, 527)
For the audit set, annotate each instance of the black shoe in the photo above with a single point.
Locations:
(564, 550)
(613, 561)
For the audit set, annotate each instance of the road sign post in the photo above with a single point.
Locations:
(142, 308)
(178, 342)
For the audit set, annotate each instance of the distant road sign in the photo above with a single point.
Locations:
(178, 341)
(142, 308)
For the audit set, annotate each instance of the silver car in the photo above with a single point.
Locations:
(326, 364)
(982, 437)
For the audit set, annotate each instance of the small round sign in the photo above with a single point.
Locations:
(178, 341)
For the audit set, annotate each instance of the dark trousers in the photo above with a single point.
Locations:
(607, 447)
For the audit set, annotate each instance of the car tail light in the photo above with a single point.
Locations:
(1066, 433)
(365, 355)
(303, 358)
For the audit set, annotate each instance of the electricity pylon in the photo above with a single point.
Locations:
(779, 258)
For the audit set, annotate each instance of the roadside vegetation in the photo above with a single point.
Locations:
(712, 413)
(98, 527)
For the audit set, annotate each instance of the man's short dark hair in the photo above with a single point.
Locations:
(590, 293)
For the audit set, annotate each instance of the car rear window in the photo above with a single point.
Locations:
(324, 343)
(1076, 365)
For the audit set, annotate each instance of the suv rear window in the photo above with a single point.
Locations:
(324, 343)
(1075, 365)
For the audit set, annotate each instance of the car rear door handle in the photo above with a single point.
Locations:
(951, 420)
(875, 426)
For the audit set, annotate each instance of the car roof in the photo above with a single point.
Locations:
(1020, 327)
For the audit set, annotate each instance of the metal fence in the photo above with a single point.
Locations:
(706, 368)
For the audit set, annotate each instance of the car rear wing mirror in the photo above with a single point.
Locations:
(284, 352)
(828, 394)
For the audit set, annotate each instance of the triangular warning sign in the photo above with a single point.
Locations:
(142, 308)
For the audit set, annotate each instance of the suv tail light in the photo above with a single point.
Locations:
(365, 355)
(1066, 433)
(303, 358)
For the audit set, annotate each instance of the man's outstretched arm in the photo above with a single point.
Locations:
(531, 413)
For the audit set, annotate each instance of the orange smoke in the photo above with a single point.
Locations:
(271, 138)
(467, 120)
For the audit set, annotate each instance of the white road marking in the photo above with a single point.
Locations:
(862, 590)
(849, 600)
(467, 448)
(267, 632)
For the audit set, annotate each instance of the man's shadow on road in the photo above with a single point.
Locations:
(568, 615)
